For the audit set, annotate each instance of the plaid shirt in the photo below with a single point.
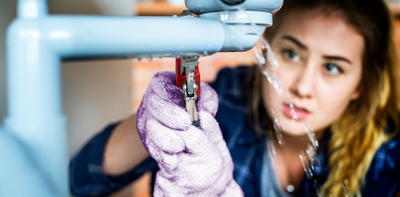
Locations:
(246, 148)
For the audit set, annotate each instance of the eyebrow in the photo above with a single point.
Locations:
(337, 58)
(301, 45)
(295, 41)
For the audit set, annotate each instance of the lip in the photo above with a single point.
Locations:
(297, 113)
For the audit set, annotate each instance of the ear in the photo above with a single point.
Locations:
(356, 94)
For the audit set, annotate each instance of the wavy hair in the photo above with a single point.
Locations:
(360, 130)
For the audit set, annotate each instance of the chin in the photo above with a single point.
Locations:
(293, 127)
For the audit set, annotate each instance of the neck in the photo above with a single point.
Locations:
(295, 143)
(289, 168)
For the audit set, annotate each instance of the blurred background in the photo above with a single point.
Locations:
(97, 93)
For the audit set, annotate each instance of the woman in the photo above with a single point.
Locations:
(338, 66)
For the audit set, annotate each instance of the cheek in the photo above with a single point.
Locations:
(271, 99)
(287, 77)
(331, 102)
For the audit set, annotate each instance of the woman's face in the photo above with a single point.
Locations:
(320, 61)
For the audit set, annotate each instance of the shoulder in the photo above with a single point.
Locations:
(232, 87)
(387, 157)
(229, 78)
(384, 171)
(388, 154)
(233, 94)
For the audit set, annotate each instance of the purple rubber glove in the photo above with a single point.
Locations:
(192, 161)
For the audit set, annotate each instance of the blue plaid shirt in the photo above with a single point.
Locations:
(246, 148)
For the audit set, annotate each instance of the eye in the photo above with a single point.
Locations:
(333, 69)
(290, 55)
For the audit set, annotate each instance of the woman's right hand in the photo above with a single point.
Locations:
(192, 161)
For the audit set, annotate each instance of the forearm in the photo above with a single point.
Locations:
(124, 149)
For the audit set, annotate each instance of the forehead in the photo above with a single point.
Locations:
(322, 32)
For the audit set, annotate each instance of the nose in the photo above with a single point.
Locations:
(303, 84)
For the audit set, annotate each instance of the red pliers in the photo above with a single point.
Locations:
(188, 78)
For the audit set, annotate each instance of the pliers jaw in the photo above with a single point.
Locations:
(188, 78)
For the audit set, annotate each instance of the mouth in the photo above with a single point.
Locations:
(295, 112)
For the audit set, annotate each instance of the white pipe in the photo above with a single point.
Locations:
(32, 9)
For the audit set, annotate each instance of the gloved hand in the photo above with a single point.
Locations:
(192, 161)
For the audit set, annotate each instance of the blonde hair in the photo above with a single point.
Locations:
(360, 130)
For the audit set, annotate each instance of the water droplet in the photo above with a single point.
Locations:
(277, 127)
(139, 59)
(268, 66)
(149, 58)
(290, 188)
(311, 135)
(174, 15)
(205, 53)
(317, 187)
(292, 112)
(271, 145)
(306, 165)
(346, 190)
